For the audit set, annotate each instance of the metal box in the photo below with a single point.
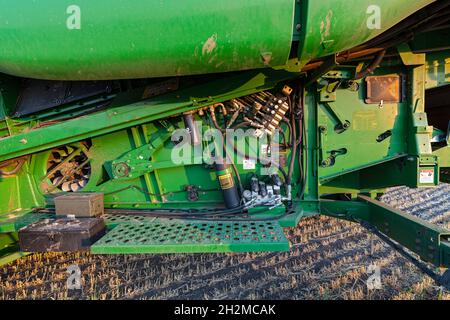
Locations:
(80, 205)
(61, 235)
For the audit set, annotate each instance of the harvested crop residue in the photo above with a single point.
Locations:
(329, 260)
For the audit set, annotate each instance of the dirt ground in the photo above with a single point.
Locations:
(329, 259)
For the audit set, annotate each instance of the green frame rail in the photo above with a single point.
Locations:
(429, 241)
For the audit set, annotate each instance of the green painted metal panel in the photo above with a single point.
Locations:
(18, 192)
(192, 237)
(331, 26)
(146, 38)
(359, 146)
(9, 249)
(14, 255)
(115, 40)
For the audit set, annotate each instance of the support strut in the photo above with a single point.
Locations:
(430, 242)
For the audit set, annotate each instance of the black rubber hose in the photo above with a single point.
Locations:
(233, 165)
(373, 65)
(304, 146)
(293, 143)
(288, 123)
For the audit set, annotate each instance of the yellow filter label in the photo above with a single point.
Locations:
(226, 181)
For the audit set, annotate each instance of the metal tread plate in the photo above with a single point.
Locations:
(14, 222)
(113, 220)
(177, 236)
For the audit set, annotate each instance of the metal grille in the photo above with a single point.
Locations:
(112, 220)
(176, 236)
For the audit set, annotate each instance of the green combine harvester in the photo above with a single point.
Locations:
(209, 126)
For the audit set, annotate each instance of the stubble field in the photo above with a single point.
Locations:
(329, 259)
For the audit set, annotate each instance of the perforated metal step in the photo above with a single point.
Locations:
(176, 236)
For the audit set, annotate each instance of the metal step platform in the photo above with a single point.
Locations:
(142, 234)
(179, 236)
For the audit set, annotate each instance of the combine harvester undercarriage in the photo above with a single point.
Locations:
(188, 158)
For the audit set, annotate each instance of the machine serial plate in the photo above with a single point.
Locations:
(384, 89)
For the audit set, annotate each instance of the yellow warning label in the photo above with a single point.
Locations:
(226, 181)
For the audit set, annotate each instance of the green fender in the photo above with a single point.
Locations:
(332, 26)
(115, 39)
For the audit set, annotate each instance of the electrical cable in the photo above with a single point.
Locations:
(293, 143)
(305, 148)
(155, 194)
(221, 215)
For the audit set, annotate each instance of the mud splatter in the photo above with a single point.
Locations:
(325, 26)
(210, 45)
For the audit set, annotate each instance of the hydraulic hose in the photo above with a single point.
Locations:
(373, 65)
(293, 143)
(233, 165)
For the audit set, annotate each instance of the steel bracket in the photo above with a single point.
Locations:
(430, 242)
(409, 58)
(327, 65)
(137, 162)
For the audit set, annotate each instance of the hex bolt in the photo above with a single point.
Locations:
(325, 163)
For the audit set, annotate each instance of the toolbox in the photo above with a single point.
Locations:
(80, 205)
(61, 235)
